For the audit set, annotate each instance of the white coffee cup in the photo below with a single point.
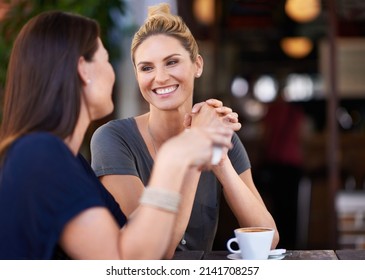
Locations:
(254, 242)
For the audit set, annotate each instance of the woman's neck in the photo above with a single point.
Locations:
(75, 140)
(165, 125)
(168, 123)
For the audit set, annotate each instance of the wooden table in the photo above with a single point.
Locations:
(188, 255)
(350, 254)
(292, 255)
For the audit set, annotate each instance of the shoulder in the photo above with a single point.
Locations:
(115, 139)
(40, 153)
(40, 144)
(117, 125)
(115, 128)
(37, 138)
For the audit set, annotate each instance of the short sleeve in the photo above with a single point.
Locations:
(238, 155)
(111, 152)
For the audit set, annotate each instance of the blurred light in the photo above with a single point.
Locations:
(239, 87)
(299, 87)
(265, 89)
(344, 118)
(253, 109)
(204, 11)
(296, 47)
(303, 10)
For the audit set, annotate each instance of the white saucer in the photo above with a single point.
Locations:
(277, 257)
(277, 254)
(235, 256)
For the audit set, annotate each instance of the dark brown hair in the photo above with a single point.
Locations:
(43, 88)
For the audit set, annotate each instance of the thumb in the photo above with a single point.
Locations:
(187, 120)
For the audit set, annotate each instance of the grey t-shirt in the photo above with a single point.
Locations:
(117, 148)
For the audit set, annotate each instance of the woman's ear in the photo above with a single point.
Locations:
(199, 66)
(82, 70)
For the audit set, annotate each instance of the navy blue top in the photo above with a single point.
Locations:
(42, 187)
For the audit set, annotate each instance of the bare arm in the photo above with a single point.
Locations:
(244, 199)
(240, 191)
(94, 234)
(127, 190)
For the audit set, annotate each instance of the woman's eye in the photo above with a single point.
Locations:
(172, 62)
(146, 68)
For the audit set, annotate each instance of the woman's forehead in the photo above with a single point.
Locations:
(159, 46)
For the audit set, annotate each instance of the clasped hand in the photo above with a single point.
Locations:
(212, 113)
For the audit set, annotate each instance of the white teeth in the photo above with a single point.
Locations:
(165, 90)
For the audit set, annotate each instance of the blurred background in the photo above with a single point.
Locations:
(294, 71)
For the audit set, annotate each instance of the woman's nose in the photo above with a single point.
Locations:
(162, 75)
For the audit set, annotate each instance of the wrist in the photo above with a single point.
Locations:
(221, 166)
(161, 198)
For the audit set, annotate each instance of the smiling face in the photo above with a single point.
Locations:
(165, 72)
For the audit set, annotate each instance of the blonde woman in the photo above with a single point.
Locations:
(166, 61)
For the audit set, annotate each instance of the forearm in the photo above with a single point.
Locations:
(245, 202)
(244, 199)
(147, 234)
(152, 222)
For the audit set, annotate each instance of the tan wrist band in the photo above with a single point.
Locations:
(161, 198)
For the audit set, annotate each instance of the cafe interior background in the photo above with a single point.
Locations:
(310, 52)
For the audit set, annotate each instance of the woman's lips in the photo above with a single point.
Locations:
(165, 90)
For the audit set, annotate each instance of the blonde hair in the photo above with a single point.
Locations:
(161, 21)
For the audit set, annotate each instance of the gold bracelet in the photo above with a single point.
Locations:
(161, 198)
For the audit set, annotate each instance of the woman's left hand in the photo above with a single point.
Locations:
(225, 113)
(213, 113)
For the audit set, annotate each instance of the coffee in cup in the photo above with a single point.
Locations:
(254, 242)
